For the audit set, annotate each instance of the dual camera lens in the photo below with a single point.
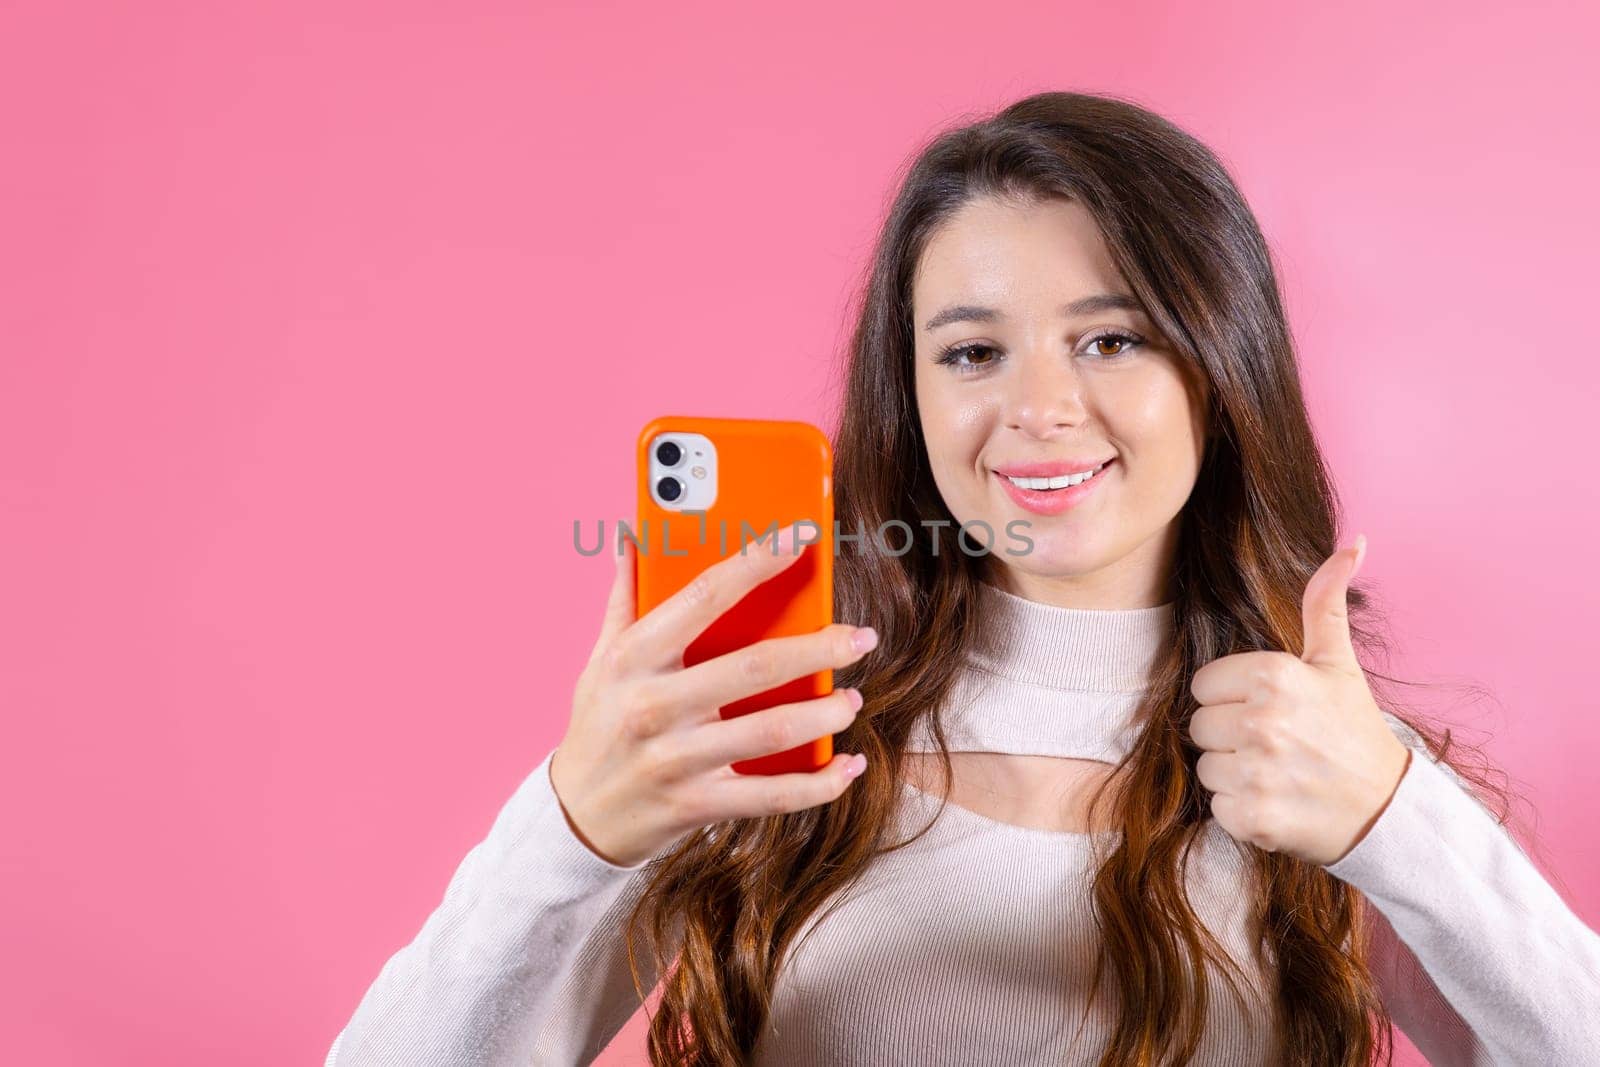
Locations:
(669, 454)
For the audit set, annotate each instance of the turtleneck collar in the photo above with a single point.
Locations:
(1103, 651)
(1047, 680)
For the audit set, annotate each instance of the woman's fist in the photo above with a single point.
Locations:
(1298, 755)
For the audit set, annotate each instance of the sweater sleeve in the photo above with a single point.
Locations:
(1478, 959)
(524, 961)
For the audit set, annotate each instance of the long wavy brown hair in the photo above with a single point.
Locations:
(724, 903)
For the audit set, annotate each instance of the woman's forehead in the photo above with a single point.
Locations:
(994, 253)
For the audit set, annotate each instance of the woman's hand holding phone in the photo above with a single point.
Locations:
(646, 756)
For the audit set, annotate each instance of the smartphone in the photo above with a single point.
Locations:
(711, 486)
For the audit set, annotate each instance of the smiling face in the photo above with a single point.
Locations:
(1024, 366)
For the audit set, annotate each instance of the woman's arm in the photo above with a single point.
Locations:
(1473, 924)
(1415, 1004)
(523, 962)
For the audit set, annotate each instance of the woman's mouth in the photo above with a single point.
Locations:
(1052, 496)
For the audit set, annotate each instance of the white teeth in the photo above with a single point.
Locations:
(1061, 482)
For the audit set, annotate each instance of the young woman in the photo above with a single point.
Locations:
(1129, 797)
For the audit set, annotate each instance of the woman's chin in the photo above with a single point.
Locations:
(1048, 561)
(1042, 546)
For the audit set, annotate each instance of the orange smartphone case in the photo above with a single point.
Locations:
(769, 473)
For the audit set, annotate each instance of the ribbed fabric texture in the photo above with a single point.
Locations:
(1049, 681)
(974, 944)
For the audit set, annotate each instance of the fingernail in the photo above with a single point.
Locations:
(784, 542)
(855, 698)
(857, 764)
(865, 639)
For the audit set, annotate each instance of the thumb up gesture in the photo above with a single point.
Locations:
(1296, 751)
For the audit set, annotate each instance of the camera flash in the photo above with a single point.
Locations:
(698, 472)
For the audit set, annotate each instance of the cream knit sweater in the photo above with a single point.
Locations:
(975, 944)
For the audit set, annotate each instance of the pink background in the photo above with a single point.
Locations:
(322, 322)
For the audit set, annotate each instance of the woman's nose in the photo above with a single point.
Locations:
(1044, 395)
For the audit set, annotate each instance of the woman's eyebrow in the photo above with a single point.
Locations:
(1086, 305)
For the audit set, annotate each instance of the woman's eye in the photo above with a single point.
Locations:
(1122, 341)
(964, 357)
(974, 357)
